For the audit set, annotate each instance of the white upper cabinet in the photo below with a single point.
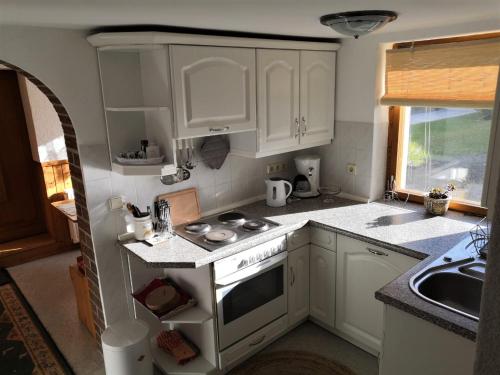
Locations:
(317, 96)
(296, 100)
(213, 90)
(362, 269)
(278, 99)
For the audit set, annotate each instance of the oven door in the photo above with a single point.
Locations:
(251, 298)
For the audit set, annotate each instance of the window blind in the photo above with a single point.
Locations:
(459, 74)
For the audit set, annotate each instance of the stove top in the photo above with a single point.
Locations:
(214, 232)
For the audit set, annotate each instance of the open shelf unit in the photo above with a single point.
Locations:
(137, 102)
(167, 363)
(196, 323)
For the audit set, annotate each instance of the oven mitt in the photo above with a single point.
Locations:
(214, 150)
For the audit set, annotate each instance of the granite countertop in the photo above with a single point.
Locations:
(406, 229)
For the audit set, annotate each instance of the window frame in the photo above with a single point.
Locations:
(395, 133)
(394, 165)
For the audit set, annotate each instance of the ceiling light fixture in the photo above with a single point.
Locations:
(358, 22)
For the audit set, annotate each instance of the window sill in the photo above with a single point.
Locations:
(456, 205)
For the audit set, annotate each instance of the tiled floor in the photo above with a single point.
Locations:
(47, 286)
(312, 338)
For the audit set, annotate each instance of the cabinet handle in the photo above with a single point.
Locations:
(293, 276)
(258, 341)
(377, 252)
(304, 126)
(215, 130)
(297, 127)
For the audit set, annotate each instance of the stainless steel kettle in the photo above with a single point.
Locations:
(276, 193)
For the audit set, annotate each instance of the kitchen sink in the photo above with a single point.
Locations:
(453, 285)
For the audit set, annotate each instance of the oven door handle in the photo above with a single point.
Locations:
(251, 271)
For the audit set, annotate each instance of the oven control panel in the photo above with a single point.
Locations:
(249, 257)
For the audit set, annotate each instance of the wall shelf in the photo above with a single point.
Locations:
(137, 109)
(143, 170)
(167, 363)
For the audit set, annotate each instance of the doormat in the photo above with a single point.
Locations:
(290, 362)
(25, 345)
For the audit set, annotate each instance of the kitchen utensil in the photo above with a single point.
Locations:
(276, 193)
(184, 205)
(214, 150)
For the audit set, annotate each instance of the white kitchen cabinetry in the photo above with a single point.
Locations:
(362, 269)
(213, 90)
(317, 97)
(298, 285)
(278, 74)
(296, 97)
(322, 285)
(137, 102)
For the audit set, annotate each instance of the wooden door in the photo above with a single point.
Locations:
(214, 90)
(21, 212)
(322, 291)
(278, 99)
(362, 269)
(317, 96)
(298, 281)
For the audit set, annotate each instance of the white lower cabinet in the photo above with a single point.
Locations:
(362, 269)
(298, 285)
(322, 285)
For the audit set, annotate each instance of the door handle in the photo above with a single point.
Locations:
(293, 276)
(258, 341)
(216, 130)
(377, 252)
(304, 126)
(297, 127)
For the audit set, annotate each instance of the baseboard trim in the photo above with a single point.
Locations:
(353, 197)
(234, 205)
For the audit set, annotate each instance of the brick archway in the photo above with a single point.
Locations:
(86, 245)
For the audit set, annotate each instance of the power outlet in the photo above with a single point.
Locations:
(352, 169)
(276, 167)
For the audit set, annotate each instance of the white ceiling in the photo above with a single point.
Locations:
(286, 17)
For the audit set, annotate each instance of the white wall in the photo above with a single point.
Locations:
(44, 128)
(67, 64)
(360, 84)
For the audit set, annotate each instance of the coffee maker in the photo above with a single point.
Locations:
(306, 183)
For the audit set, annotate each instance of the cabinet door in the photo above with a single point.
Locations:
(298, 281)
(322, 290)
(362, 269)
(278, 99)
(317, 96)
(213, 90)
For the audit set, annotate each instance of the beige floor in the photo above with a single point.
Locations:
(47, 286)
(312, 338)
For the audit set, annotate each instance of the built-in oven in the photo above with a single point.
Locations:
(252, 296)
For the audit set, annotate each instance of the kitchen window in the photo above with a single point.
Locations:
(441, 96)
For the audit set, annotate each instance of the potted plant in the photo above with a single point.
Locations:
(437, 200)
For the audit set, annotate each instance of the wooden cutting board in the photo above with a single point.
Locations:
(185, 205)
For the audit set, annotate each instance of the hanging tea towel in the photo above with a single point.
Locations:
(214, 150)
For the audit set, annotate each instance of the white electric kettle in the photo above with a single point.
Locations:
(276, 193)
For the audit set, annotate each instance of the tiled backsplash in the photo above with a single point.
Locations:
(237, 180)
(352, 144)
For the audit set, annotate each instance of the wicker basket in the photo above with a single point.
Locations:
(436, 206)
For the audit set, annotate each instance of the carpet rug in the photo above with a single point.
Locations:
(25, 345)
(291, 362)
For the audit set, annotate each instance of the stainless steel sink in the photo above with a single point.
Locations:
(453, 285)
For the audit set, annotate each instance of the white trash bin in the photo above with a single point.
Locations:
(126, 348)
